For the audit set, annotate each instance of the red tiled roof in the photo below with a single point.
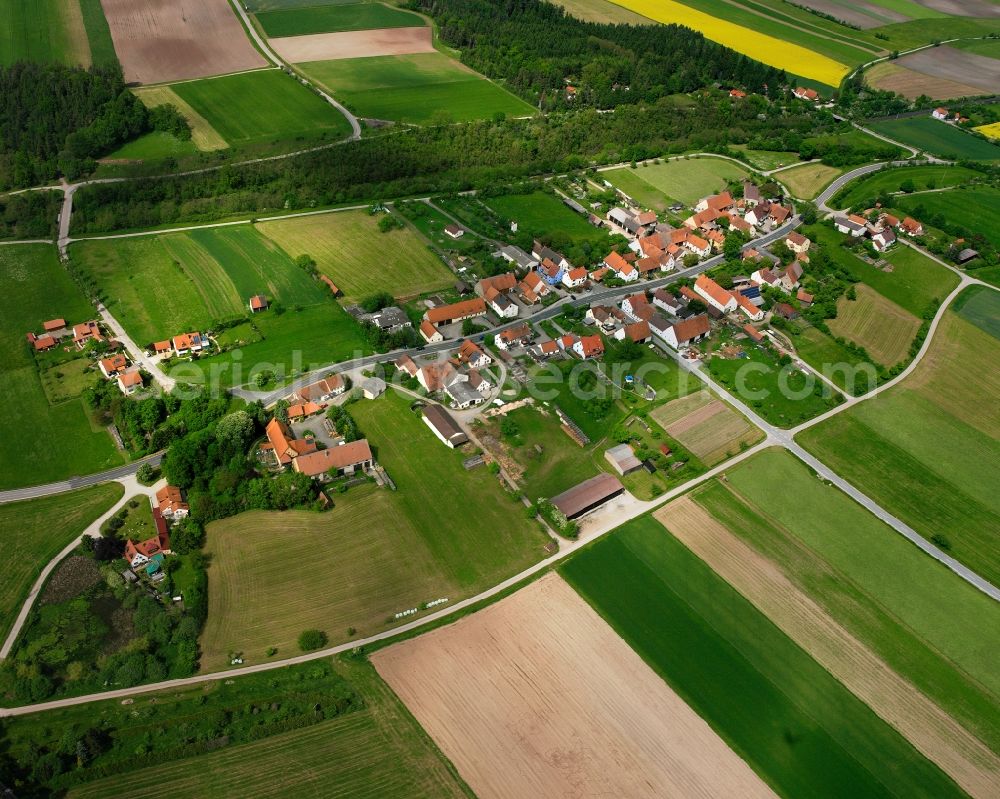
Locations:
(331, 284)
(320, 462)
(592, 345)
(130, 379)
(44, 343)
(615, 261)
(54, 324)
(713, 289)
(638, 332)
(753, 332)
(457, 310)
(691, 328)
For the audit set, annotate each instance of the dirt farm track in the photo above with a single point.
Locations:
(538, 696)
(158, 41)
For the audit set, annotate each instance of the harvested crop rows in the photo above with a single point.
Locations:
(204, 136)
(159, 41)
(960, 66)
(707, 426)
(932, 731)
(537, 696)
(891, 77)
(879, 325)
(353, 44)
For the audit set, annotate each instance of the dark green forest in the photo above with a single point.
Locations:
(535, 47)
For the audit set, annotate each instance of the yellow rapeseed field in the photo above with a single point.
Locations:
(992, 130)
(769, 50)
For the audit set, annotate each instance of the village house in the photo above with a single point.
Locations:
(751, 194)
(162, 348)
(541, 253)
(883, 239)
(517, 256)
(518, 336)
(637, 332)
(430, 333)
(809, 95)
(687, 332)
(348, 458)
(472, 354)
(550, 271)
(189, 343)
(607, 317)
(443, 425)
(698, 246)
(567, 342)
(456, 312)
(667, 301)
(940, 113)
(737, 94)
(544, 350)
(911, 227)
(853, 225)
(588, 347)
(501, 284)
(85, 332)
(391, 319)
(756, 314)
(373, 388)
(113, 366)
(55, 328)
(624, 221)
(258, 303)
(786, 311)
(129, 383)
(480, 382)
(286, 447)
(323, 390)
(435, 376)
(142, 553)
(171, 504)
(42, 343)
(717, 202)
(532, 288)
(791, 276)
(574, 278)
(502, 305)
(303, 410)
(804, 297)
(462, 394)
(406, 364)
(453, 231)
(753, 332)
(714, 295)
(796, 242)
(621, 268)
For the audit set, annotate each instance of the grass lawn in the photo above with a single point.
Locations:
(978, 208)
(546, 215)
(937, 137)
(376, 553)
(361, 260)
(43, 30)
(914, 282)
(162, 285)
(927, 450)
(794, 723)
(782, 395)
(765, 159)
(866, 612)
(421, 88)
(234, 106)
(289, 344)
(690, 179)
(820, 351)
(891, 180)
(808, 180)
(336, 17)
(66, 381)
(33, 532)
(979, 306)
(431, 222)
(879, 325)
(153, 147)
(41, 443)
(630, 181)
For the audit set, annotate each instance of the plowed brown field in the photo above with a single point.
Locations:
(353, 44)
(536, 696)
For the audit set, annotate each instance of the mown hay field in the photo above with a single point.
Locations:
(378, 752)
(360, 259)
(707, 426)
(41, 442)
(808, 180)
(375, 553)
(537, 696)
(794, 723)
(931, 730)
(891, 77)
(927, 450)
(546, 215)
(421, 88)
(879, 325)
(770, 50)
(35, 531)
(262, 106)
(203, 135)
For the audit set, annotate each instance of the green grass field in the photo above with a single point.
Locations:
(688, 180)
(986, 47)
(979, 307)
(422, 88)
(891, 180)
(758, 380)
(879, 325)
(335, 17)
(794, 724)
(376, 553)
(373, 749)
(431, 222)
(162, 285)
(233, 106)
(43, 30)
(867, 613)
(32, 533)
(153, 147)
(41, 442)
(361, 260)
(765, 159)
(546, 215)
(977, 208)
(819, 350)
(928, 449)
(914, 282)
(937, 138)
(630, 182)
(808, 180)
